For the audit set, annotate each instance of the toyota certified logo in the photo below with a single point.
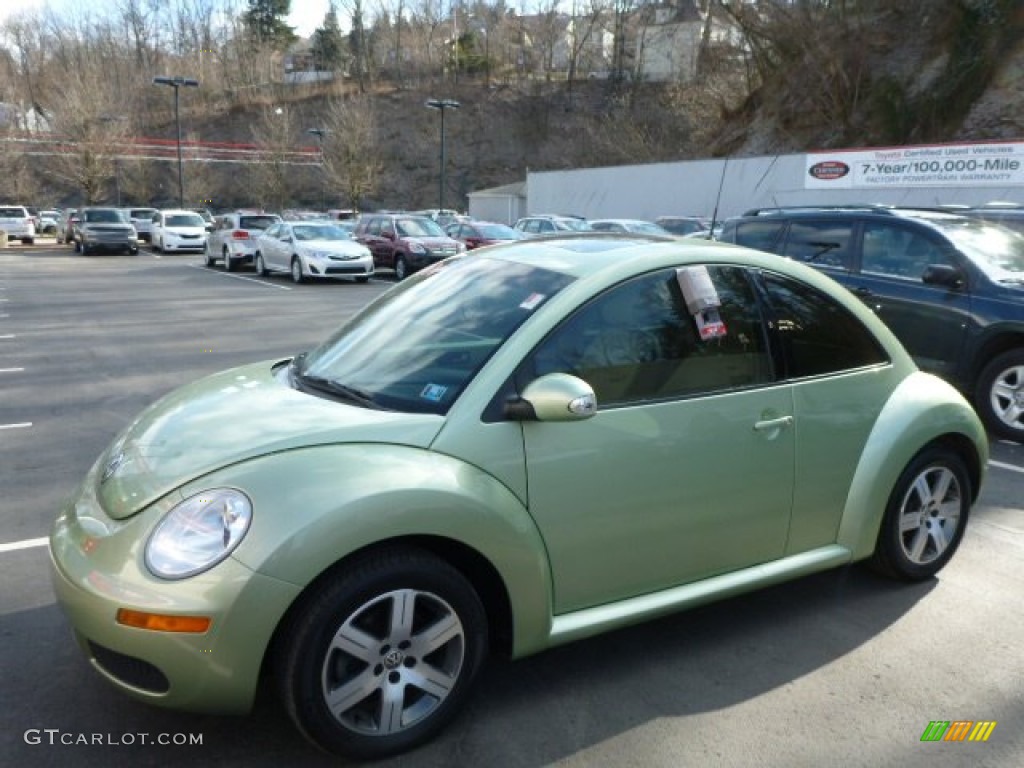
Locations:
(112, 466)
(828, 170)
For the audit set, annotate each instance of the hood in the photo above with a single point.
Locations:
(230, 417)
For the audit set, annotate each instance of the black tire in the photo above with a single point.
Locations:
(999, 395)
(361, 597)
(297, 276)
(920, 534)
(261, 268)
(208, 260)
(133, 250)
(363, 279)
(401, 268)
(229, 265)
(78, 247)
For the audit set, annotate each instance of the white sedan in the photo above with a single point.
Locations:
(307, 249)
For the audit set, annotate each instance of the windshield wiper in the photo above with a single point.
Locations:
(337, 390)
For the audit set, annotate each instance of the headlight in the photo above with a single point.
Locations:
(417, 248)
(321, 255)
(198, 533)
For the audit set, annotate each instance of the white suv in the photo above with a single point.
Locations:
(17, 222)
(233, 239)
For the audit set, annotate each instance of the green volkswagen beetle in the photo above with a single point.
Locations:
(508, 451)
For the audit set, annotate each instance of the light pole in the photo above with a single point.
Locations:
(320, 133)
(442, 105)
(176, 83)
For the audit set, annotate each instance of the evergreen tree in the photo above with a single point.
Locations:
(265, 21)
(329, 43)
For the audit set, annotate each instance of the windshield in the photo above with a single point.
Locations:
(105, 216)
(418, 228)
(319, 232)
(185, 220)
(572, 225)
(499, 232)
(257, 222)
(417, 347)
(997, 250)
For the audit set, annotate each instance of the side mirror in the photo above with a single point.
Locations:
(554, 397)
(942, 274)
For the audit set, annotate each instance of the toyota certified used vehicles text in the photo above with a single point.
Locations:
(949, 286)
(507, 451)
(403, 242)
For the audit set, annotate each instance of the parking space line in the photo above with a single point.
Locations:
(26, 544)
(20, 425)
(1003, 465)
(243, 277)
(11, 370)
(8, 336)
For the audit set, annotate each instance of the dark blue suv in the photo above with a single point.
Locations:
(950, 287)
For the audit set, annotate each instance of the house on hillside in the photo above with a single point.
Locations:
(668, 38)
(300, 65)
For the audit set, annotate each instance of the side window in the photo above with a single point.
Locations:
(762, 235)
(274, 231)
(820, 243)
(638, 341)
(897, 251)
(819, 335)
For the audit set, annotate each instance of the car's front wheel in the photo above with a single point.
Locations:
(999, 396)
(381, 655)
(925, 518)
(207, 257)
(261, 268)
(297, 276)
(401, 268)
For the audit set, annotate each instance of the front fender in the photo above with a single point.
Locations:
(922, 409)
(314, 506)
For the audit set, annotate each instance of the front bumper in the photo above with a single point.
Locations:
(340, 267)
(175, 243)
(97, 568)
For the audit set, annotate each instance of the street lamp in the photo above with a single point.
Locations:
(176, 83)
(442, 105)
(320, 133)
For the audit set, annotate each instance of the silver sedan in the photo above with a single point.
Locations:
(308, 249)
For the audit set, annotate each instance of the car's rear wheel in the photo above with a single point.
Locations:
(207, 257)
(229, 265)
(999, 397)
(297, 276)
(401, 268)
(381, 655)
(925, 518)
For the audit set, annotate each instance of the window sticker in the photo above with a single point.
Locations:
(702, 301)
(433, 392)
(532, 301)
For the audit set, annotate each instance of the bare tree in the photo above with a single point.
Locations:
(275, 134)
(351, 155)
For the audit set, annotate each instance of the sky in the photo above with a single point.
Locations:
(305, 17)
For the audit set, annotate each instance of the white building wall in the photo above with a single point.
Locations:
(692, 188)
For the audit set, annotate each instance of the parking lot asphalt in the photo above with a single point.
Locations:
(838, 669)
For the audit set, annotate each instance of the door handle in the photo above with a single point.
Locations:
(767, 425)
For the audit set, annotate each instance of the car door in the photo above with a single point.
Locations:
(686, 471)
(270, 247)
(930, 319)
